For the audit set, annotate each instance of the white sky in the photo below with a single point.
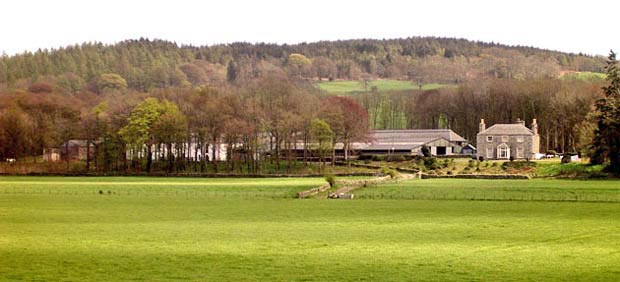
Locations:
(571, 26)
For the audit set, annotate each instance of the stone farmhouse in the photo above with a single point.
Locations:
(508, 141)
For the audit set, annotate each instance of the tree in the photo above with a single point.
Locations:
(170, 128)
(607, 134)
(321, 138)
(111, 81)
(139, 132)
(232, 71)
(14, 133)
(348, 120)
(298, 63)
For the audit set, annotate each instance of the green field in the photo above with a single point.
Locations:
(585, 75)
(344, 86)
(62, 229)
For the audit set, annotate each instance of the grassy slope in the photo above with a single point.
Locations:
(343, 86)
(127, 237)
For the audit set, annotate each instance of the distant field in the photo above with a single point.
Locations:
(585, 76)
(343, 86)
(169, 229)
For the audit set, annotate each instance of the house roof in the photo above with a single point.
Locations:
(413, 135)
(507, 129)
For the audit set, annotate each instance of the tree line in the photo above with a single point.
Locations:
(258, 125)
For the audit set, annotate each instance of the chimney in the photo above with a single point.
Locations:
(482, 126)
(521, 122)
(534, 127)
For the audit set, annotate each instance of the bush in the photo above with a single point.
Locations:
(392, 173)
(331, 179)
(445, 163)
(431, 163)
(566, 159)
(512, 159)
(470, 163)
(481, 158)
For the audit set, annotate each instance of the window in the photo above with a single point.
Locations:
(520, 139)
(505, 138)
(489, 138)
(489, 153)
(520, 152)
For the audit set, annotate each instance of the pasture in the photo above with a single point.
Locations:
(344, 86)
(194, 229)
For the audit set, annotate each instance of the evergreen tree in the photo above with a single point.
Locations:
(607, 134)
(232, 71)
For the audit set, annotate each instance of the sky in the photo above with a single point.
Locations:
(28, 25)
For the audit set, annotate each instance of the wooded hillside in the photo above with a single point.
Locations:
(146, 64)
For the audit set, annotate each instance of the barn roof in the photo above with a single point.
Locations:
(413, 135)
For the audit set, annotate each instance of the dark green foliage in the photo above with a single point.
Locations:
(606, 141)
(431, 163)
(331, 179)
(426, 151)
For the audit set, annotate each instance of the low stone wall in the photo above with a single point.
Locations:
(313, 191)
(478, 176)
(399, 169)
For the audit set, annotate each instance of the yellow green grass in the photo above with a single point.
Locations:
(84, 236)
(344, 86)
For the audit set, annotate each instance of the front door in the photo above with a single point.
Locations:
(441, 151)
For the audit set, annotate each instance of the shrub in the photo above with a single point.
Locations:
(387, 171)
(445, 163)
(512, 158)
(430, 163)
(331, 179)
(566, 159)
(494, 164)
(470, 163)
(481, 158)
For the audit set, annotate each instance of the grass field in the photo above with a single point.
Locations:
(62, 229)
(344, 86)
(585, 75)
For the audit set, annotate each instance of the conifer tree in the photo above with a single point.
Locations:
(606, 141)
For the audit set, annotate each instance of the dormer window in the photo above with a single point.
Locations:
(489, 138)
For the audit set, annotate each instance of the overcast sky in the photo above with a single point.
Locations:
(582, 26)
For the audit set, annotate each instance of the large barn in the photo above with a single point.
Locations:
(441, 142)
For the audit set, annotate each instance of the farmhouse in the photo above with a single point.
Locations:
(440, 142)
(508, 141)
(76, 150)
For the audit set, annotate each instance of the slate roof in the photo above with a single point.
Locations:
(413, 136)
(507, 129)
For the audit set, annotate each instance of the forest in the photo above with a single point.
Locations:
(143, 103)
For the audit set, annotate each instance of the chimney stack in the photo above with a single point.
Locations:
(482, 126)
(534, 127)
(521, 122)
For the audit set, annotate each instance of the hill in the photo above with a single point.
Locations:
(148, 64)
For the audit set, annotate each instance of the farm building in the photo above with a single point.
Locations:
(440, 142)
(76, 150)
(508, 141)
